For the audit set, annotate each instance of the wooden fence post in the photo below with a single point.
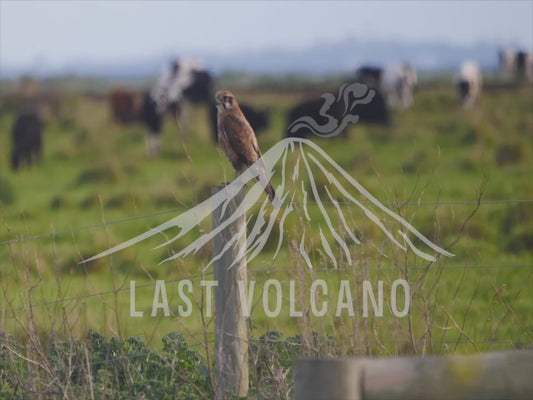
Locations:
(231, 325)
(328, 379)
(491, 376)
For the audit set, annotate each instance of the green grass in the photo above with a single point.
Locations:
(97, 188)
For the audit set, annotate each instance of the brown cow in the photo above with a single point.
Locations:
(126, 105)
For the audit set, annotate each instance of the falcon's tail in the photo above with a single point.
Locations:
(270, 191)
(263, 178)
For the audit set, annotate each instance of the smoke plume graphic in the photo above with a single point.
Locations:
(337, 111)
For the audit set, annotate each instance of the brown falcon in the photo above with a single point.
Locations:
(237, 138)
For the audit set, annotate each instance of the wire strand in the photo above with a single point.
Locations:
(140, 217)
(264, 271)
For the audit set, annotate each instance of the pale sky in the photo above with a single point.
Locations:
(56, 32)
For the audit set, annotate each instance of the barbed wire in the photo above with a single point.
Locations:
(92, 226)
(275, 270)
(157, 214)
(444, 267)
(103, 293)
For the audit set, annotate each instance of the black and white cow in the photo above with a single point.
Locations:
(395, 82)
(469, 82)
(27, 139)
(153, 119)
(184, 84)
(516, 65)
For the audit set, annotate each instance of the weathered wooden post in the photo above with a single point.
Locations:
(231, 325)
(328, 379)
(491, 376)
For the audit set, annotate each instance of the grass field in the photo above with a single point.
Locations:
(96, 187)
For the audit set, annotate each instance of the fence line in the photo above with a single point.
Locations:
(140, 217)
(444, 267)
(87, 227)
(98, 294)
(231, 342)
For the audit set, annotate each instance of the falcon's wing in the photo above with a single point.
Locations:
(241, 138)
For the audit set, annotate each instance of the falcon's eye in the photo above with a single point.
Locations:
(227, 99)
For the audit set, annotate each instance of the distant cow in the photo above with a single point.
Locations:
(153, 119)
(182, 84)
(469, 82)
(397, 84)
(370, 76)
(27, 139)
(258, 119)
(516, 65)
(125, 105)
(200, 90)
(185, 83)
(375, 112)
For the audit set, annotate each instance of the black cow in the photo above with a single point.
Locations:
(27, 139)
(374, 112)
(201, 90)
(258, 119)
(370, 76)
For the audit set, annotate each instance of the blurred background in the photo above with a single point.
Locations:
(117, 40)
(107, 129)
